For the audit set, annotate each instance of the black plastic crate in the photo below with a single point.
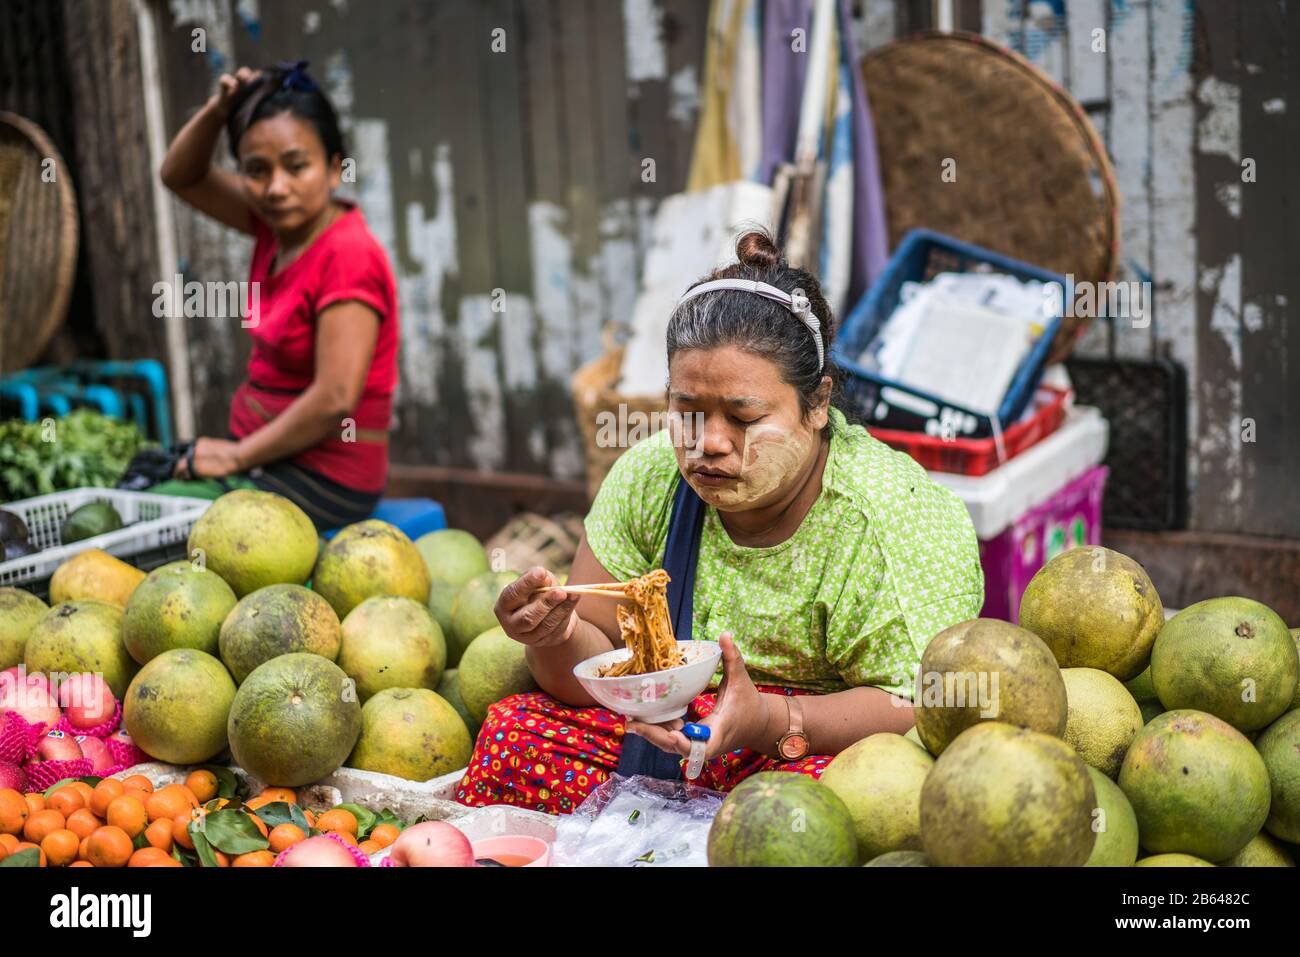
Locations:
(1146, 405)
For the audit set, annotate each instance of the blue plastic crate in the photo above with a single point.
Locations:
(414, 516)
(922, 255)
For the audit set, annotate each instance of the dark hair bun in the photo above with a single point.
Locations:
(756, 250)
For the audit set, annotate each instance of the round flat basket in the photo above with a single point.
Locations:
(977, 143)
(38, 241)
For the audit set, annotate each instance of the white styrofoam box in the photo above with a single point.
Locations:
(151, 521)
(998, 498)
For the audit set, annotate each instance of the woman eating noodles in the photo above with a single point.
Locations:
(819, 558)
(311, 419)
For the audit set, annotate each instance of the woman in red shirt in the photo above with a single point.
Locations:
(311, 419)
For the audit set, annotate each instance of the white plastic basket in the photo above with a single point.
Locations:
(150, 522)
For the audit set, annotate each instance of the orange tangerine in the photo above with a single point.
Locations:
(81, 864)
(8, 842)
(27, 846)
(138, 781)
(369, 847)
(254, 859)
(152, 857)
(42, 823)
(13, 811)
(285, 835)
(127, 813)
(65, 800)
(172, 800)
(103, 793)
(35, 801)
(385, 834)
(84, 789)
(110, 846)
(202, 784)
(159, 834)
(83, 822)
(337, 820)
(60, 847)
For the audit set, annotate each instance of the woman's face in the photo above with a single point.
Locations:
(286, 176)
(743, 444)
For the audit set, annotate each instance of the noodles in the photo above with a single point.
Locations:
(646, 628)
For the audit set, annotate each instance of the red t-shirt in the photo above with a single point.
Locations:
(344, 263)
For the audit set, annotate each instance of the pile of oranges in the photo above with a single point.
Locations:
(127, 823)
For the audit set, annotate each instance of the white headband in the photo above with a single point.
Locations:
(797, 303)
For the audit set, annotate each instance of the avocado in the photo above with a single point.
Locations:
(93, 518)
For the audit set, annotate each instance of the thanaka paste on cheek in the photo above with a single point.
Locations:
(772, 456)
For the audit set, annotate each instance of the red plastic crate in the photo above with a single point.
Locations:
(979, 456)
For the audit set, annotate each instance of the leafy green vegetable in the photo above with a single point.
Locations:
(82, 448)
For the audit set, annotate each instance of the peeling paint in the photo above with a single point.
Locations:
(684, 96)
(1229, 196)
(1219, 131)
(1275, 105)
(1252, 317)
(486, 428)
(643, 38)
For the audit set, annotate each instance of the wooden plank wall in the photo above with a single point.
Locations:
(507, 187)
(1185, 93)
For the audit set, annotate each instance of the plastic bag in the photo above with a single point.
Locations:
(638, 822)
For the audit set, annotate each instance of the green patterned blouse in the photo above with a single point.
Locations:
(883, 561)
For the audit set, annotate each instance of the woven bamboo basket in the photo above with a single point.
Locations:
(1033, 180)
(595, 391)
(530, 539)
(38, 241)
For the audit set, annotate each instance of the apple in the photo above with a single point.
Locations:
(87, 701)
(319, 851)
(432, 844)
(12, 776)
(58, 746)
(97, 751)
(29, 696)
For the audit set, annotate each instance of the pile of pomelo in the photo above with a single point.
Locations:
(206, 821)
(292, 655)
(1093, 733)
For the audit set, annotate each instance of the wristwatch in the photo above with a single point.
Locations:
(793, 745)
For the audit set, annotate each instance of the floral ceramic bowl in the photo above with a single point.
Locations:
(659, 696)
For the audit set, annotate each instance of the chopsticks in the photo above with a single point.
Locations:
(605, 589)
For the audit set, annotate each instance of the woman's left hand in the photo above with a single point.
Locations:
(739, 718)
(214, 458)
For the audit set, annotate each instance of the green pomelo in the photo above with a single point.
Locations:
(1196, 785)
(1295, 699)
(493, 667)
(294, 720)
(899, 859)
(1115, 824)
(1231, 657)
(1004, 796)
(1104, 719)
(411, 733)
(1172, 860)
(879, 780)
(177, 706)
(1262, 851)
(1150, 709)
(91, 519)
(441, 599)
(367, 559)
(987, 670)
(82, 636)
(253, 539)
(278, 620)
(473, 612)
(176, 606)
(1141, 687)
(452, 556)
(449, 689)
(19, 611)
(1279, 746)
(1095, 608)
(780, 819)
(391, 642)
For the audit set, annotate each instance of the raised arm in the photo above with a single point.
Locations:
(187, 168)
(560, 630)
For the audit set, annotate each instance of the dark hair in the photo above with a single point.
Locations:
(757, 325)
(285, 89)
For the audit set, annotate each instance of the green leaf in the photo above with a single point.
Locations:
(58, 784)
(282, 812)
(365, 819)
(31, 857)
(227, 781)
(90, 779)
(140, 841)
(188, 858)
(201, 846)
(234, 832)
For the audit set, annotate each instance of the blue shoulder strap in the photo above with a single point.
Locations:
(681, 554)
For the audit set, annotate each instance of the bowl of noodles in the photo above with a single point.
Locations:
(655, 696)
(653, 677)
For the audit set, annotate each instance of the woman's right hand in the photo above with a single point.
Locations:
(228, 88)
(539, 621)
